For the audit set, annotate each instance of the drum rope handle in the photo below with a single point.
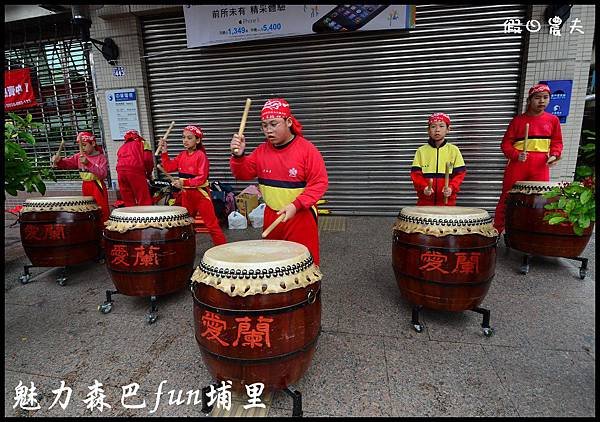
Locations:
(282, 309)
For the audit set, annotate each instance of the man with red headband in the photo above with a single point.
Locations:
(429, 165)
(193, 167)
(93, 169)
(134, 167)
(544, 146)
(291, 175)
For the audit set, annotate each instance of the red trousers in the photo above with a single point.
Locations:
(196, 202)
(134, 188)
(302, 228)
(91, 188)
(533, 169)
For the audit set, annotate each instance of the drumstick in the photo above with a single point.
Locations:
(171, 178)
(60, 148)
(446, 180)
(165, 136)
(526, 137)
(81, 153)
(243, 122)
(273, 225)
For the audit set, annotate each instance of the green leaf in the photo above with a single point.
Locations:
(557, 220)
(578, 230)
(29, 117)
(584, 222)
(585, 196)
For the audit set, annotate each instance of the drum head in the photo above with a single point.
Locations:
(61, 203)
(142, 217)
(443, 221)
(257, 267)
(533, 187)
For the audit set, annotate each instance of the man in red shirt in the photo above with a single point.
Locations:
(291, 175)
(544, 147)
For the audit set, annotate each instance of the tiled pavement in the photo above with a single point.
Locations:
(368, 360)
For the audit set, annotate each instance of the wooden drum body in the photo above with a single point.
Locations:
(444, 258)
(150, 250)
(257, 312)
(526, 229)
(60, 231)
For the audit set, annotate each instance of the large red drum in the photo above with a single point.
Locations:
(257, 312)
(150, 250)
(61, 230)
(444, 257)
(526, 229)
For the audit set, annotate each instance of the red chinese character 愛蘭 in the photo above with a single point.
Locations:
(31, 233)
(253, 337)
(144, 258)
(214, 327)
(119, 254)
(54, 232)
(466, 264)
(433, 261)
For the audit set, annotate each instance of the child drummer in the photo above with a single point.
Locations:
(291, 175)
(544, 146)
(435, 162)
(93, 169)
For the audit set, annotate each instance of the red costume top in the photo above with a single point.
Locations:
(294, 173)
(96, 168)
(192, 167)
(544, 135)
(133, 157)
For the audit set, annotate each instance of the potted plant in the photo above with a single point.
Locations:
(574, 204)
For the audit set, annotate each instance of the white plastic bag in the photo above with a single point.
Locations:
(237, 221)
(257, 215)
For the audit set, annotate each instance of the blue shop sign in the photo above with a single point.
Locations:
(560, 99)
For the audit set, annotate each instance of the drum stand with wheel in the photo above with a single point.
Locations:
(61, 279)
(582, 270)
(106, 307)
(289, 390)
(487, 330)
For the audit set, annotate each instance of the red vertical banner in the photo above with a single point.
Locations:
(18, 91)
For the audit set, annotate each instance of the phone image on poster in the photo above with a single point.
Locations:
(347, 18)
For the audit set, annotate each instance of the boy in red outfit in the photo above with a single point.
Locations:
(93, 169)
(193, 166)
(429, 165)
(544, 147)
(291, 175)
(134, 167)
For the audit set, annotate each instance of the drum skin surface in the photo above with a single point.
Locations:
(57, 238)
(150, 261)
(449, 272)
(258, 338)
(527, 231)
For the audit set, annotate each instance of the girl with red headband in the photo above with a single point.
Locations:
(544, 147)
(429, 165)
(193, 167)
(93, 169)
(134, 168)
(291, 175)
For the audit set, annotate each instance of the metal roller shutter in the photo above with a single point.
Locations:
(363, 98)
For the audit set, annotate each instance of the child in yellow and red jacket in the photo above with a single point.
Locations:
(429, 165)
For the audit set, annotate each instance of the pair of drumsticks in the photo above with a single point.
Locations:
(550, 160)
(446, 181)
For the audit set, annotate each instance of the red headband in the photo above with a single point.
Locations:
(86, 137)
(132, 135)
(538, 88)
(280, 108)
(195, 130)
(439, 117)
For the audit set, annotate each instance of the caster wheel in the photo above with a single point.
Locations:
(524, 269)
(582, 274)
(105, 307)
(24, 278)
(151, 318)
(418, 328)
(101, 261)
(488, 331)
(61, 281)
